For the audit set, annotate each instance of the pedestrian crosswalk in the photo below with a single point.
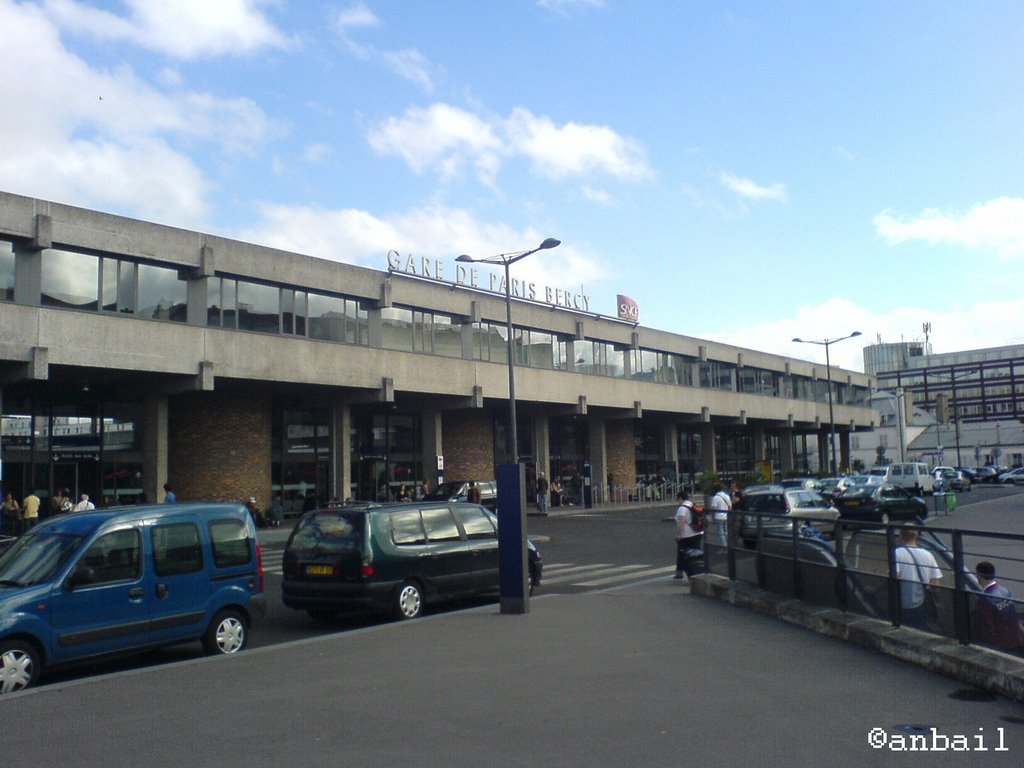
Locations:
(556, 576)
(595, 575)
(272, 561)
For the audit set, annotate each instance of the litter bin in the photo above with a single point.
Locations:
(945, 502)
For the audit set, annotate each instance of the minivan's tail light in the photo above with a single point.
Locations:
(366, 570)
(259, 565)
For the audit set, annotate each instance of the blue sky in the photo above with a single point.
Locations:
(746, 171)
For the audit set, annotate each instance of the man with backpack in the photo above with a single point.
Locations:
(687, 534)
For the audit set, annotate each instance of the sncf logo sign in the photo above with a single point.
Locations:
(628, 310)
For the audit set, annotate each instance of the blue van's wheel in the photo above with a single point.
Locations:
(226, 634)
(19, 665)
(408, 601)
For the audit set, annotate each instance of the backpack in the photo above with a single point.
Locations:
(696, 517)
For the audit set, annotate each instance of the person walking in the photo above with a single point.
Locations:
(542, 494)
(996, 621)
(721, 504)
(11, 515)
(29, 512)
(170, 497)
(916, 570)
(83, 505)
(473, 493)
(687, 537)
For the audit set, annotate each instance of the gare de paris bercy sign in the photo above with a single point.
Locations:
(469, 276)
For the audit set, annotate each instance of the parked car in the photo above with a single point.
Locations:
(951, 479)
(1013, 477)
(986, 474)
(793, 503)
(968, 472)
(880, 503)
(109, 582)
(807, 483)
(457, 490)
(913, 476)
(392, 557)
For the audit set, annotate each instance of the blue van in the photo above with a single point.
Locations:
(90, 584)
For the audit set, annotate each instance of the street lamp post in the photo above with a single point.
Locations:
(826, 343)
(511, 506)
(953, 379)
(507, 260)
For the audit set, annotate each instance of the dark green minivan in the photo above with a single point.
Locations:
(367, 558)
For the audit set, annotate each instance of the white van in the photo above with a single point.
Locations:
(911, 476)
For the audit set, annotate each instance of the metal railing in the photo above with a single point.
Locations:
(851, 567)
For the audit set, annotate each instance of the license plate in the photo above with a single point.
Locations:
(319, 570)
(852, 503)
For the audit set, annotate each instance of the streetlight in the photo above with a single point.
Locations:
(512, 555)
(826, 343)
(954, 377)
(507, 260)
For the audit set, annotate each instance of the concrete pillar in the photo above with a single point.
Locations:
(759, 439)
(433, 445)
(542, 445)
(154, 448)
(823, 451)
(707, 442)
(341, 449)
(670, 447)
(786, 451)
(598, 459)
(844, 451)
(28, 275)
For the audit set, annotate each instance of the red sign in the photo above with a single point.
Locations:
(628, 310)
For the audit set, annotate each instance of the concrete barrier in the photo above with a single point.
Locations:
(990, 670)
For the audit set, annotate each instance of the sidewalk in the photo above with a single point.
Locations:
(644, 676)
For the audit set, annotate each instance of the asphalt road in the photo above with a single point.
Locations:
(587, 550)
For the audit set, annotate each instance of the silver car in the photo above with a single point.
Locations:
(794, 503)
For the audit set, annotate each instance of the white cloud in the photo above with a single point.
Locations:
(995, 226)
(185, 29)
(357, 16)
(443, 138)
(408, 63)
(104, 138)
(316, 153)
(595, 195)
(958, 328)
(751, 190)
(358, 237)
(557, 151)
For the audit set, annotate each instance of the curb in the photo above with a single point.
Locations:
(990, 670)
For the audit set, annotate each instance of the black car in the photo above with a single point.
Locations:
(880, 503)
(458, 490)
(986, 474)
(392, 557)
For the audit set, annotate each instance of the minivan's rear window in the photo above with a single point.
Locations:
(230, 541)
(326, 532)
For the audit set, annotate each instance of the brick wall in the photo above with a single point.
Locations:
(468, 440)
(219, 446)
(621, 451)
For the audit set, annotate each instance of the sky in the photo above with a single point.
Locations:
(747, 172)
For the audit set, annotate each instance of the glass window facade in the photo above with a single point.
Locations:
(6, 271)
(70, 280)
(112, 284)
(413, 330)
(489, 342)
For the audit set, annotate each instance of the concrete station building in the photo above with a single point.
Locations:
(134, 354)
